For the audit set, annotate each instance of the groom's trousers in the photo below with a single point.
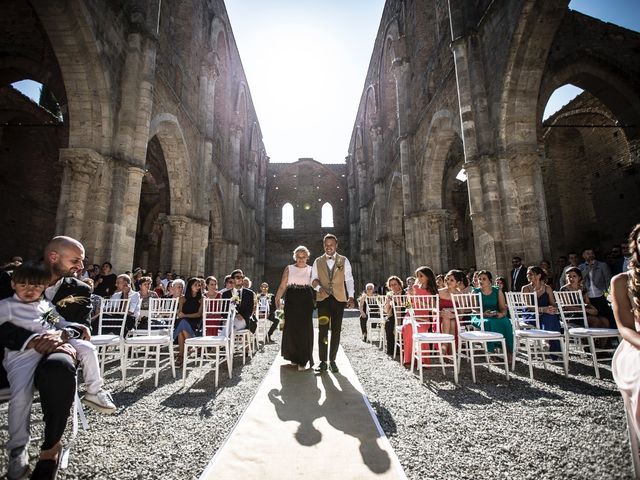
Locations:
(330, 313)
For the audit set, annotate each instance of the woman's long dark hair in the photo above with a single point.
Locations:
(190, 282)
(431, 286)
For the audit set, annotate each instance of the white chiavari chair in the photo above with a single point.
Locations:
(427, 340)
(529, 338)
(399, 303)
(472, 342)
(111, 323)
(216, 345)
(572, 311)
(375, 319)
(157, 335)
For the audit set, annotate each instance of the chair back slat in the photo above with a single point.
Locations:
(217, 314)
(113, 315)
(399, 304)
(523, 309)
(572, 307)
(467, 307)
(425, 310)
(162, 315)
(374, 308)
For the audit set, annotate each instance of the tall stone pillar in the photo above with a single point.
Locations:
(80, 166)
(401, 70)
(178, 225)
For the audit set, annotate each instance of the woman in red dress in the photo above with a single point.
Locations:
(425, 285)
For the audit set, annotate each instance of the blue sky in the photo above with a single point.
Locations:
(306, 62)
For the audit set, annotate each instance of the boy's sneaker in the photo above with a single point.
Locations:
(101, 401)
(18, 463)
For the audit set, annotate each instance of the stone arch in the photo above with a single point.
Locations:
(166, 128)
(609, 86)
(443, 131)
(87, 82)
(222, 62)
(532, 37)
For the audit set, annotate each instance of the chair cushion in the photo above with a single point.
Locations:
(480, 336)
(209, 341)
(433, 337)
(535, 333)
(147, 340)
(594, 332)
(102, 340)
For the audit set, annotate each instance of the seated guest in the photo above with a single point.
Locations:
(55, 374)
(596, 277)
(158, 286)
(495, 317)
(189, 318)
(145, 294)
(549, 318)
(546, 266)
(454, 280)
(123, 292)
(425, 285)
(244, 300)
(105, 284)
(574, 284)
(501, 283)
(363, 306)
(267, 302)
(440, 283)
(246, 283)
(228, 285)
(394, 284)
(175, 288)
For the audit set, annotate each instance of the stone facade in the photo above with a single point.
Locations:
(457, 84)
(308, 187)
(159, 160)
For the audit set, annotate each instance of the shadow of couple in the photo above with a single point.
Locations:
(301, 400)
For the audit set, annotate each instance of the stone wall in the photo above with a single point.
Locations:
(462, 85)
(128, 75)
(307, 185)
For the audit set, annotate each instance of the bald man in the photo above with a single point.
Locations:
(55, 376)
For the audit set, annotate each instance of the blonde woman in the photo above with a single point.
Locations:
(295, 286)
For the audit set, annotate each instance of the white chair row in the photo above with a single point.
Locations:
(375, 320)
(531, 342)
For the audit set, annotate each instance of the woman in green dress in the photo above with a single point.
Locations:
(496, 316)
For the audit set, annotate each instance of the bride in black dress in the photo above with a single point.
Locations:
(297, 335)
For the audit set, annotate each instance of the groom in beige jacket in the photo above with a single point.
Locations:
(333, 280)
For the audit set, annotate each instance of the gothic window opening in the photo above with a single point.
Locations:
(327, 216)
(287, 216)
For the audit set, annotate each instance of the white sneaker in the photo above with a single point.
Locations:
(18, 463)
(101, 401)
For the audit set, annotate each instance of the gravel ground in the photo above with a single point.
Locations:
(552, 427)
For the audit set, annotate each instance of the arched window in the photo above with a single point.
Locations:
(327, 216)
(287, 216)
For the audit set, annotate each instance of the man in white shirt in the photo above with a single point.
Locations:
(333, 280)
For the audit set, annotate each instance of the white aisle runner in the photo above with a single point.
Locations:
(300, 425)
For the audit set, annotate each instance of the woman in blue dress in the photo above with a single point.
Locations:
(496, 317)
(549, 318)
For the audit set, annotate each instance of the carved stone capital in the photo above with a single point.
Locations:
(83, 161)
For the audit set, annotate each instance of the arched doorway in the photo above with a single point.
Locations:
(591, 182)
(455, 201)
(153, 211)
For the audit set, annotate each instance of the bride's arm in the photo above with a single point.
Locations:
(622, 310)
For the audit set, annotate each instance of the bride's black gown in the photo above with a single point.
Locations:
(297, 335)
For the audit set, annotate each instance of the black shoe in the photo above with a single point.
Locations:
(333, 367)
(45, 470)
(322, 367)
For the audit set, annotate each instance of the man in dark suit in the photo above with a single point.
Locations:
(55, 376)
(518, 274)
(245, 303)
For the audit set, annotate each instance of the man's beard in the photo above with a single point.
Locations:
(58, 270)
